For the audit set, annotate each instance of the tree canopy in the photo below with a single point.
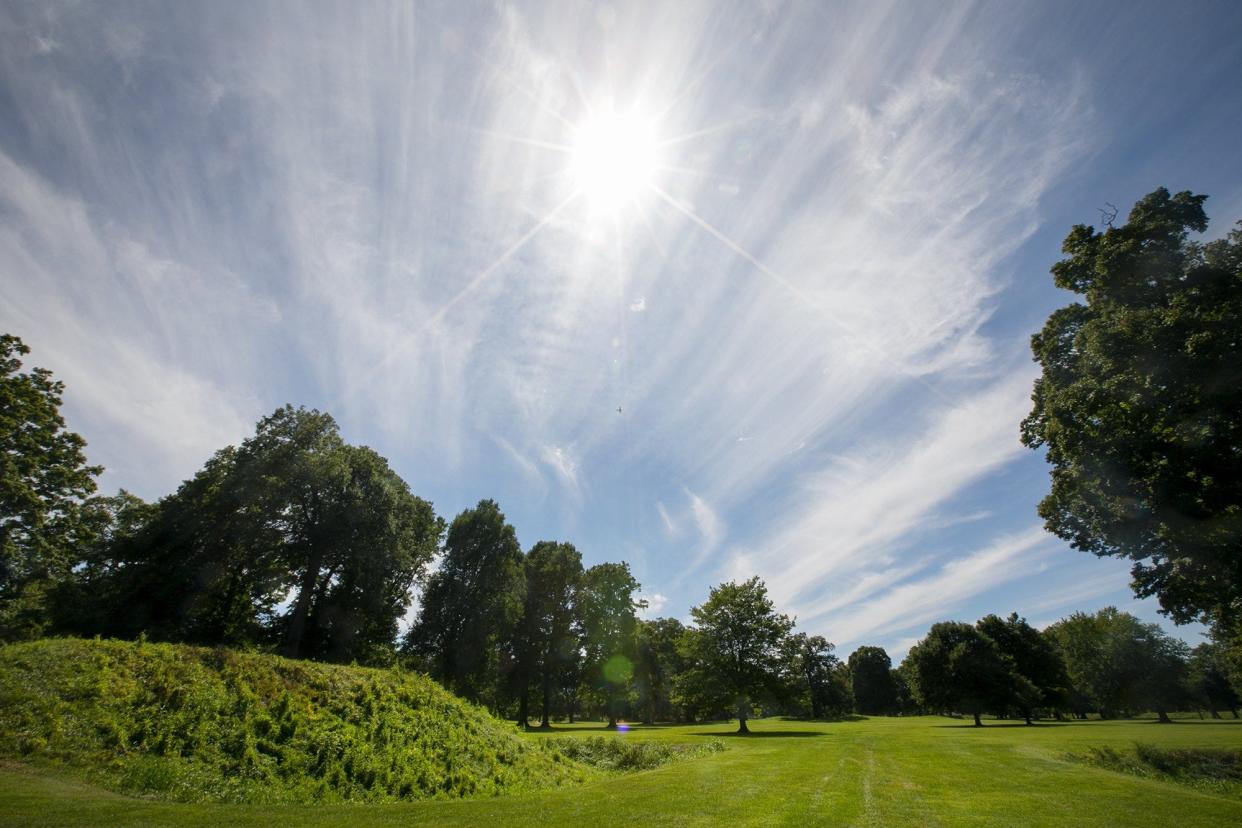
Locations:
(472, 604)
(1120, 664)
(875, 691)
(1140, 404)
(44, 479)
(958, 668)
(738, 643)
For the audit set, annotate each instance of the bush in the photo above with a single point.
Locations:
(621, 755)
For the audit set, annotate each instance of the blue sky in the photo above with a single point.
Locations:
(813, 313)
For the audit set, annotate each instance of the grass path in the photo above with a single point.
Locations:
(871, 772)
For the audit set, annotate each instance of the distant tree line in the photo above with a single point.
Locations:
(299, 543)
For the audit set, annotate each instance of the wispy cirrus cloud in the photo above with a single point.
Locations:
(801, 349)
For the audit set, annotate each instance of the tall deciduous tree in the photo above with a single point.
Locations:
(472, 605)
(957, 668)
(738, 643)
(1034, 656)
(659, 663)
(1207, 680)
(43, 481)
(1140, 404)
(875, 693)
(296, 512)
(1121, 665)
(817, 675)
(548, 638)
(608, 608)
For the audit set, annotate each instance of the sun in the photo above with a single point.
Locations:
(614, 158)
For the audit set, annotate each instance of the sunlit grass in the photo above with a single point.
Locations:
(913, 771)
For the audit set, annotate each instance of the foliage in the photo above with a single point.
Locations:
(610, 628)
(196, 724)
(293, 511)
(43, 481)
(1213, 769)
(472, 604)
(548, 641)
(875, 692)
(658, 665)
(1207, 680)
(958, 668)
(1035, 657)
(1121, 665)
(613, 754)
(737, 645)
(1140, 404)
(818, 683)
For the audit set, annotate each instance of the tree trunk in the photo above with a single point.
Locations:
(545, 720)
(741, 723)
(1215, 714)
(524, 706)
(1026, 714)
(977, 722)
(1164, 717)
(301, 609)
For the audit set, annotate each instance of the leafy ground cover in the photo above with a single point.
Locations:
(200, 725)
(1216, 769)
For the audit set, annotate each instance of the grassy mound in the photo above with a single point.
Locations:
(194, 724)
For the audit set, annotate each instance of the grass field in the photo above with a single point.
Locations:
(914, 771)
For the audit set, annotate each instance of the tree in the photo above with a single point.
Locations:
(1034, 656)
(472, 604)
(1140, 405)
(659, 663)
(1119, 664)
(875, 693)
(548, 638)
(1207, 680)
(817, 675)
(738, 642)
(43, 482)
(295, 516)
(610, 625)
(957, 668)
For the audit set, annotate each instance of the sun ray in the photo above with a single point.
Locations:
(789, 286)
(710, 130)
(520, 139)
(411, 336)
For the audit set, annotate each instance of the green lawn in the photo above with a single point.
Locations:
(914, 771)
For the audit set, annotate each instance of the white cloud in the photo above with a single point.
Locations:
(670, 528)
(655, 604)
(853, 510)
(937, 597)
(711, 527)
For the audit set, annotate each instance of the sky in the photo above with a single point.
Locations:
(718, 289)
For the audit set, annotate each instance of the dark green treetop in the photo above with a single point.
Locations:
(1140, 404)
(44, 479)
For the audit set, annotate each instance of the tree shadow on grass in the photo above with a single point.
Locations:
(1031, 726)
(762, 734)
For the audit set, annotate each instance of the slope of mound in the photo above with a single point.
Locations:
(196, 724)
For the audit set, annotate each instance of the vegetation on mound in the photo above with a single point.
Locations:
(1213, 768)
(621, 755)
(194, 724)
